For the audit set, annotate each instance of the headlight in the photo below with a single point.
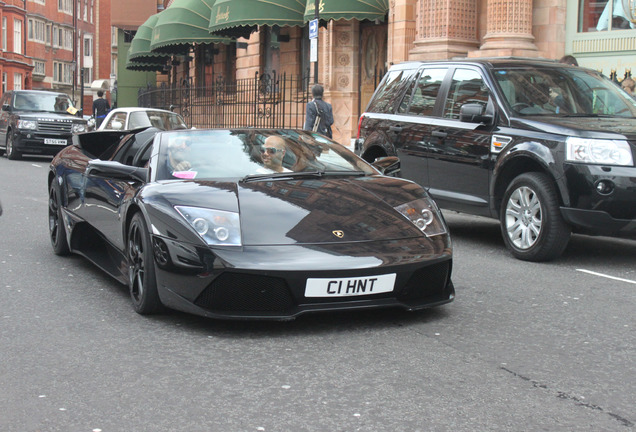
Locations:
(216, 227)
(425, 215)
(27, 124)
(79, 127)
(598, 151)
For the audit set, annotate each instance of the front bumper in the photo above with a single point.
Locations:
(33, 142)
(602, 199)
(268, 282)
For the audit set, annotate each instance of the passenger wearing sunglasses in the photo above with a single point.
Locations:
(273, 152)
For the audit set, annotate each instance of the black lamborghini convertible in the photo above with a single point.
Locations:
(251, 223)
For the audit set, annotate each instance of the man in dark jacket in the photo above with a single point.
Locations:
(319, 107)
(100, 108)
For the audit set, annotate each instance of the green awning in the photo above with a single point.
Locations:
(182, 24)
(145, 66)
(348, 9)
(139, 50)
(238, 18)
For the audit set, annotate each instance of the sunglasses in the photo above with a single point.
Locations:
(270, 150)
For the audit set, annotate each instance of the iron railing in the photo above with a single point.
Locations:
(270, 101)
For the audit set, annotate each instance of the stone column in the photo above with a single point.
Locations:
(445, 29)
(338, 48)
(401, 30)
(509, 30)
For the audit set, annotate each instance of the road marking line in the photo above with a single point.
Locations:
(607, 276)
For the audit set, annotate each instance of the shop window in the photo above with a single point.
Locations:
(39, 68)
(4, 33)
(605, 15)
(17, 36)
(17, 81)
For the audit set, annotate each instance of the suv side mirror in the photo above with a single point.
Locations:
(388, 165)
(474, 113)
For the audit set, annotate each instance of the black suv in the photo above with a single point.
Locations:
(546, 148)
(39, 122)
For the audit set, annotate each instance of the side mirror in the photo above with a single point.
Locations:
(116, 170)
(388, 165)
(474, 113)
(6, 107)
(117, 125)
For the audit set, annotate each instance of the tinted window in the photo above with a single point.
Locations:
(389, 92)
(425, 91)
(214, 154)
(466, 87)
(118, 119)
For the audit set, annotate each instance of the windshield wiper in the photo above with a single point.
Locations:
(300, 174)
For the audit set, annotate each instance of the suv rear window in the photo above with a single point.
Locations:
(390, 91)
(425, 92)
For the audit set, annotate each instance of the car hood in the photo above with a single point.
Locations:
(27, 115)
(306, 211)
(585, 127)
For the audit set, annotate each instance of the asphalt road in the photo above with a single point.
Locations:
(525, 347)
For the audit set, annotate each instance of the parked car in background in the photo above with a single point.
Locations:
(135, 117)
(37, 122)
(247, 223)
(546, 148)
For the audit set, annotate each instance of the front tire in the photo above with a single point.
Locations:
(531, 222)
(57, 233)
(142, 281)
(11, 152)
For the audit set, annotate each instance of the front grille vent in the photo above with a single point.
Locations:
(53, 126)
(246, 292)
(426, 282)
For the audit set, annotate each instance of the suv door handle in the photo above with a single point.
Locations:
(439, 134)
(396, 128)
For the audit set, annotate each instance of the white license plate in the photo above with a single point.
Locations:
(351, 286)
(54, 141)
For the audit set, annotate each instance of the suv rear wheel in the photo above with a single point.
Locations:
(531, 222)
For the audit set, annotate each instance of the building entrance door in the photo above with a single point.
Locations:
(373, 43)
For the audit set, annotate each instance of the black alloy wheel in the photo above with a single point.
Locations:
(10, 151)
(57, 233)
(531, 222)
(142, 281)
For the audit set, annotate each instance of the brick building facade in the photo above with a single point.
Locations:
(15, 66)
(353, 53)
(62, 43)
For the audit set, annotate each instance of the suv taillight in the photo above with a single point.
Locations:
(360, 124)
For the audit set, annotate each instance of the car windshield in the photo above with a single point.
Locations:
(159, 119)
(563, 92)
(43, 102)
(214, 154)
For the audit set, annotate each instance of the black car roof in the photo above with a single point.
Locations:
(488, 62)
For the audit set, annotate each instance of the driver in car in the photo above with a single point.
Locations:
(273, 152)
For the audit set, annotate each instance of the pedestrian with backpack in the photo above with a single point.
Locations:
(319, 114)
